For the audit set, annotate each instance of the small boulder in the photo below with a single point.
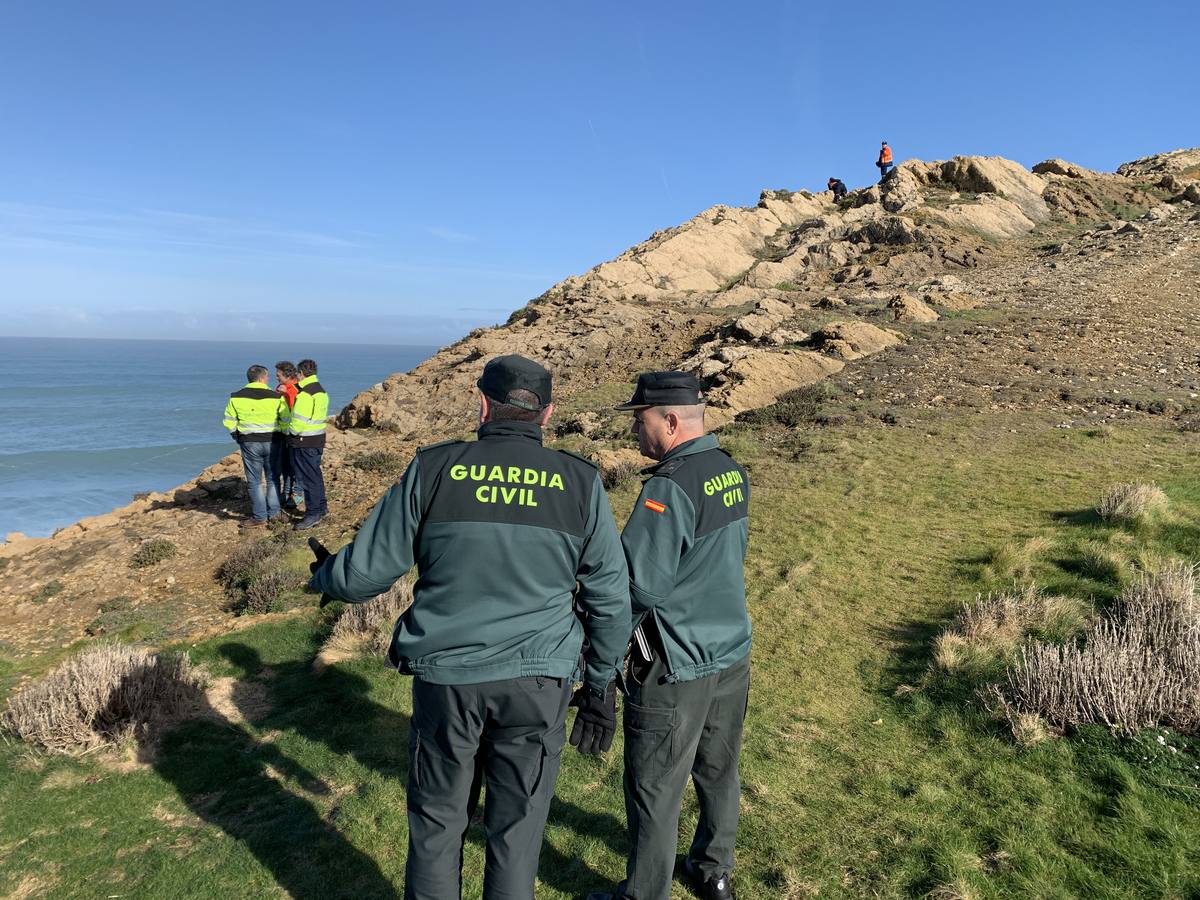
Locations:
(766, 317)
(907, 308)
(853, 340)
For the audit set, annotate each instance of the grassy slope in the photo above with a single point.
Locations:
(861, 549)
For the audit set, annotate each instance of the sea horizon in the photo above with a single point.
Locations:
(96, 421)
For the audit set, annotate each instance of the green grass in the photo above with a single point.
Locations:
(854, 785)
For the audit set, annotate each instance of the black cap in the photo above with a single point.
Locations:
(505, 374)
(664, 389)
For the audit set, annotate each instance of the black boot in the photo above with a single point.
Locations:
(717, 887)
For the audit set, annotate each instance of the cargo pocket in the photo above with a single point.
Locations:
(649, 739)
(550, 758)
(414, 760)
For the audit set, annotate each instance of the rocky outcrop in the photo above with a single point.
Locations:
(1151, 167)
(854, 340)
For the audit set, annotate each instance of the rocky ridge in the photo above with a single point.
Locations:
(971, 282)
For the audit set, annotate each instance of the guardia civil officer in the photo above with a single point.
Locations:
(689, 666)
(504, 533)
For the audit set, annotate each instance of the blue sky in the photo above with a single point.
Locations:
(404, 172)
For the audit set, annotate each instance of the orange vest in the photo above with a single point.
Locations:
(885, 155)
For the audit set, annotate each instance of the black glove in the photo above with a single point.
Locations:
(596, 721)
(321, 555)
(319, 551)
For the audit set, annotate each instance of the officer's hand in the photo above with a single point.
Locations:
(319, 551)
(596, 721)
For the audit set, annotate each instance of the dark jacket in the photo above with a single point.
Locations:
(685, 543)
(504, 533)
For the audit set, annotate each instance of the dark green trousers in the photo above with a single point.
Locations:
(506, 734)
(673, 731)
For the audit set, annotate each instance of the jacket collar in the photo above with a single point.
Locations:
(530, 430)
(687, 448)
(306, 381)
(260, 386)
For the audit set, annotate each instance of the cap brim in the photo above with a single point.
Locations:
(626, 407)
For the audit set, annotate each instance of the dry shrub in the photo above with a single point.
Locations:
(152, 552)
(367, 627)
(1016, 560)
(1131, 503)
(107, 694)
(613, 476)
(255, 576)
(1102, 562)
(993, 626)
(1136, 668)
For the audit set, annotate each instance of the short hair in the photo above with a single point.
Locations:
(509, 412)
(307, 367)
(256, 373)
(692, 414)
(286, 369)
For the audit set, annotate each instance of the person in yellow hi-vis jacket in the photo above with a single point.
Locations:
(306, 440)
(255, 418)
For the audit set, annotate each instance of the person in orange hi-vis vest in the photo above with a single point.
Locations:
(885, 161)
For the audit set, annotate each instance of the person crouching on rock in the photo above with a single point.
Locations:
(255, 417)
(838, 187)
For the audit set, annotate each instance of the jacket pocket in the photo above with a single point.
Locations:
(649, 739)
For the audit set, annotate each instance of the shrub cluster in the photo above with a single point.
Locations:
(1138, 667)
(618, 473)
(107, 694)
(1131, 503)
(992, 627)
(793, 409)
(381, 462)
(255, 576)
(368, 626)
(152, 552)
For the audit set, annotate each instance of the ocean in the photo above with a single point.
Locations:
(90, 423)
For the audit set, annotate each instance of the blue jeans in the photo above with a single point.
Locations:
(260, 459)
(291, 487)
(884, 168)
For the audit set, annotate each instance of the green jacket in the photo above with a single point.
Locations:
(255, 413)
(685, 544)
(306, 420)
(504, 533)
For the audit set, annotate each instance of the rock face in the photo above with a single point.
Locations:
(760, 376)
(1062, 167)
(854, 340)
(1176, 161)
(907, 308)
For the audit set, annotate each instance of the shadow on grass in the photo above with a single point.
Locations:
(226, 777)
(233, 781)
(1085, 518)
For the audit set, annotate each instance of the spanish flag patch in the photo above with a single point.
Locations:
(655, 506)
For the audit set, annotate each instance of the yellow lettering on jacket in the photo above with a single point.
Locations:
(515, 485)
(722, 482)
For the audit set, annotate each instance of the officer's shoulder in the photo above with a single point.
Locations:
(574, 455)
(668, 469)
(440, 444)
(313, 388)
